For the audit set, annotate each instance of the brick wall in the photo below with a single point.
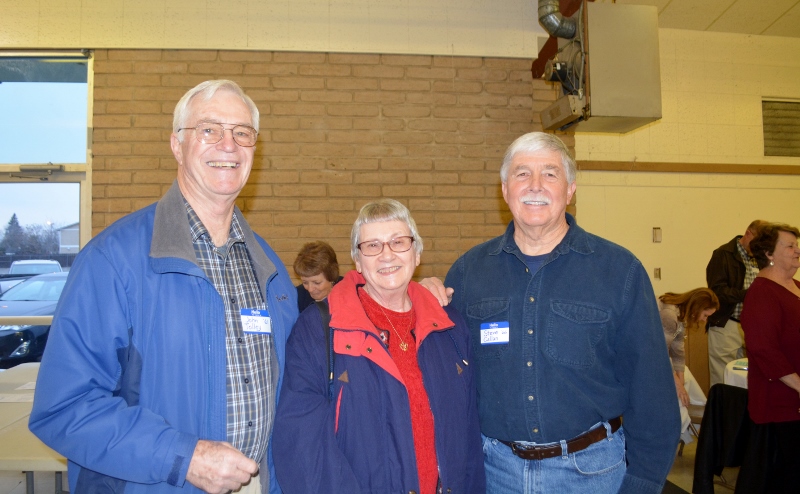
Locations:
(337, 130)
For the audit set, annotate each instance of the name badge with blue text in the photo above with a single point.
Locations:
(494, 333)
(256, 321)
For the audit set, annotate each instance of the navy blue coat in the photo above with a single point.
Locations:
(361, 441)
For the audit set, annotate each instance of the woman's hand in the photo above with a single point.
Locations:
(683, 396)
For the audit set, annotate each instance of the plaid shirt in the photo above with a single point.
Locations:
(750, 273)
(252, 371)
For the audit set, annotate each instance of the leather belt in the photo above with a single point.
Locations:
(574, 445)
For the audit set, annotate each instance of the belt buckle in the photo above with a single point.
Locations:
(533, 452)
(522, 451)
(517, 449)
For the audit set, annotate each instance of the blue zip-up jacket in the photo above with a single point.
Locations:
(361, 440)
(134, 373)
(585, 345)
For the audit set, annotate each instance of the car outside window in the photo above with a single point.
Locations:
(42, 290)
(34, 268)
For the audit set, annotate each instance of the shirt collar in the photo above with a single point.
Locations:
(742, 251)
(576, 240)
(199, 230)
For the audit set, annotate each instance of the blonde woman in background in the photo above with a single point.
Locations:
(679, 310)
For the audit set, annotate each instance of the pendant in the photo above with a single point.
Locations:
(403, 346)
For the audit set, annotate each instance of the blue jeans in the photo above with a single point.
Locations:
(596, 469)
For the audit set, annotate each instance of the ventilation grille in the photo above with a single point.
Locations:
(781, 128)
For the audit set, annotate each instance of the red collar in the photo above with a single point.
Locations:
(348, 314)
(353, 326)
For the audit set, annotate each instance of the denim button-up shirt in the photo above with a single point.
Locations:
(585, 345)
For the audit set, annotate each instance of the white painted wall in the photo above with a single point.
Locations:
(696, 213)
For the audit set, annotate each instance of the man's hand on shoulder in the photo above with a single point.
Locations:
(437, 288)
(218, 467)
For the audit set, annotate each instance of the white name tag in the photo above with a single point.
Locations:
(494, 333)
(256, 321)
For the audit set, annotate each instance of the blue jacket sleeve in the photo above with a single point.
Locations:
(651, 419)
(475, 480)
(306, 455)
(77, 409)
(280, 287)
(454, 279)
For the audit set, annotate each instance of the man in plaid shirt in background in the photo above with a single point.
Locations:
(729, 274)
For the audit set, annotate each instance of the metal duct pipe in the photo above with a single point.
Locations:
(553, 22)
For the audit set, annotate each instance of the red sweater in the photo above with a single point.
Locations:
(771, 324)
(397, 326)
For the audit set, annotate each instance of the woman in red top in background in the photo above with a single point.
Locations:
(771, 324)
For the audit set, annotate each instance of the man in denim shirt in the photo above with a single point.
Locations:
(567, 339)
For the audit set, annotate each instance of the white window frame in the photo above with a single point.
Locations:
(80, 173)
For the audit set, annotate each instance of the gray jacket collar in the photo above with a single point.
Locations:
(172, 237)
(171, 234)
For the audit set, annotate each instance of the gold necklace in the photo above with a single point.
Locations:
(403, 344)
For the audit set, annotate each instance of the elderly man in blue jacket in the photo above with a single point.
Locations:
(166, 353)
(575, 390)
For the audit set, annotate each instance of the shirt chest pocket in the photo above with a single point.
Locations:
(573, 332)
(485, 311)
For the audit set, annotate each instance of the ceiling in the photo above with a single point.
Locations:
(764, 17)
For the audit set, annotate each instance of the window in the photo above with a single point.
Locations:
(44, 101)
(39, 219)
(45, 152)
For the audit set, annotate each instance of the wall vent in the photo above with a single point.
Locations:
(781, 128)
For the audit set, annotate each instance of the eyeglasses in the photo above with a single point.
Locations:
(374, 247)
(212, 133)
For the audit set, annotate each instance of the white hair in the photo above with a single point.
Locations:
(206, 91)
(378, 212)
(533, 142)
